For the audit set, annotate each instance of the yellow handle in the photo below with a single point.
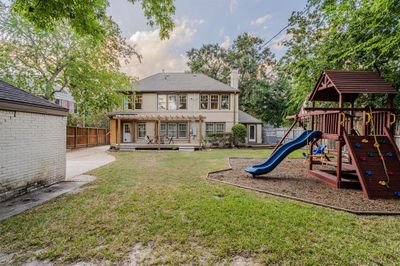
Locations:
(369, 118)
(394, 119)
(343, 118)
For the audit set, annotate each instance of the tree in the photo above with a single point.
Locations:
(256, 66)
(239, 133)
(211, 60)
(89, 17)
(341, 34)
(45, 62)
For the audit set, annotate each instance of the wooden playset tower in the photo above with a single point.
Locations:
(365, 133)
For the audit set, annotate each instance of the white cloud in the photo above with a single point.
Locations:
(277, 44)
(161, 54)
(232, 5)
(226, 43)
(261, 20)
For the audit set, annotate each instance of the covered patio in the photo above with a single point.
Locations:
(147, 131)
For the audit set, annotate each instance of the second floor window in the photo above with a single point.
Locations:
(172, 102)
(204, 102)
(214, 101)
(138, 101)
(172, 105)
(225, 102)
(182, 102)
(162, 102)
(134, 101)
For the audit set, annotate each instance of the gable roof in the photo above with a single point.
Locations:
(188, 82)
(16, 99)
(349, 84)
(245, 118)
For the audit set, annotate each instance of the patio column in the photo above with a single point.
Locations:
(200, 131)
(158, 133)
(188, 131)
(118, 131)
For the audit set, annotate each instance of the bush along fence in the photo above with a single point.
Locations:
(79, 137)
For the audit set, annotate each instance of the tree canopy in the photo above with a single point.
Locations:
(260, 91)
(89, 17)
(341, 34)
(45, 62)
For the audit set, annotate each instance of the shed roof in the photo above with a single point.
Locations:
(245, 118)
(349, 84)
(167, 82)
(16, 99)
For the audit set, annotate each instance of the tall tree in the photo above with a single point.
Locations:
(342, 34)
(256, 66)
(46, 62)
(89, 17)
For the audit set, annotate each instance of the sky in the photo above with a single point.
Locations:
(199, 22)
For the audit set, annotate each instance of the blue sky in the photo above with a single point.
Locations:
(199, 22)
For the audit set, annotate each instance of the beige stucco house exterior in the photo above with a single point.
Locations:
(176, 109)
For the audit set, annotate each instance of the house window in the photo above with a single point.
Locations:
(172, 130)
(133, 102)
(172, 104)
(225, 102)
(57, 101)
(163, 129)
(126, 128)
(219, 127)
(209, 128)
(182, 102)
(130, 100)
(204, 102)
(138, 101)
(214, 101)
(182, 133)
(215, 128)
(141, 128)
(162, 102)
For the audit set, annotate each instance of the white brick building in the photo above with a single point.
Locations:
(32, 142)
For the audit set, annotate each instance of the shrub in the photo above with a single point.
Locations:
(220, 139)
(239, 133)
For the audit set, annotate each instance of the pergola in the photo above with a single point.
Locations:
(158, 119)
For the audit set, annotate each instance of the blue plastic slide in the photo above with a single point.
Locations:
(282, 152)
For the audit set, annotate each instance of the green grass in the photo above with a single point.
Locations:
(163, 198)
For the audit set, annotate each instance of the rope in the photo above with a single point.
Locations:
(376, 145)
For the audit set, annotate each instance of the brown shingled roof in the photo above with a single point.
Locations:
(350, 84)
(16, 99)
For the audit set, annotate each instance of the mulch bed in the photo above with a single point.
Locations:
(290, 180)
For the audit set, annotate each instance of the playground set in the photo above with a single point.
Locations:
(372, 158)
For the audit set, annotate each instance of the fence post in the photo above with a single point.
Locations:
(87, 137)
(97, 136)
(75, 138)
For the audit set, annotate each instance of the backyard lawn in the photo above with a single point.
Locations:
(161, 200)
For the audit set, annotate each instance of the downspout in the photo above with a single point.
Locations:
(234, 108)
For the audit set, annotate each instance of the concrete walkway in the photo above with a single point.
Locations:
(83, 160)
(78, 162)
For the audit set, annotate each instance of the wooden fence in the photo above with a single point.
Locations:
(79, 137)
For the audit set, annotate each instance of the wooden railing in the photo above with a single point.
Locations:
(328, 120)
(79, 137)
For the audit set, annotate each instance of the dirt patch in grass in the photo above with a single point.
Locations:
(290, 179)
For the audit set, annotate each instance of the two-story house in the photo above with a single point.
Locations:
(177, 109)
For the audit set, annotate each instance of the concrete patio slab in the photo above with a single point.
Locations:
(82, 160)
(78, 162)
